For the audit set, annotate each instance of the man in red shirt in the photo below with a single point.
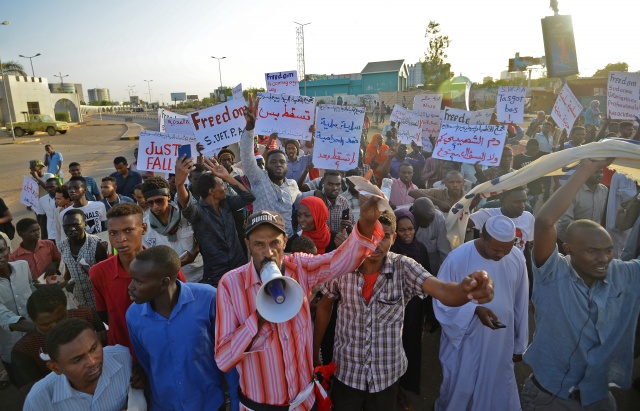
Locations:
(41, 255)
(110, 278)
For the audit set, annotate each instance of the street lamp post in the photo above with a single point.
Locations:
(219, 69)
(60, 76)
(149, 86)
(6, 96)
(33, 74)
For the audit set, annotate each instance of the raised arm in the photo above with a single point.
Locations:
(477, 287)
(249, 165)
(183, 168)
(545, 229)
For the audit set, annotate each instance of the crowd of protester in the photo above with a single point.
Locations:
(141, 281)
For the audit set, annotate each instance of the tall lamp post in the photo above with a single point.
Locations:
(6, 96)
(219, 70)
(301, 62)
(149, 86)
(33, 74)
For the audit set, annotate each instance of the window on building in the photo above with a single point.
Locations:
(33, 107)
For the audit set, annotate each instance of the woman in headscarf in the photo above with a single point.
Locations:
(407, 244)
(312, 222)
(376, 155)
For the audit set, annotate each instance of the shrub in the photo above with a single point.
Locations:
(63, 117)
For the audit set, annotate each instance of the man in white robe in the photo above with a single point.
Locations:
(477, 355)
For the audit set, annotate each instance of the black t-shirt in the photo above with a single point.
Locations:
(6, 228)
(535, 187)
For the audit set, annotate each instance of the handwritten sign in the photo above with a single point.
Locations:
(454, 115)
(283, 82)
(566, 110)
(29, 195)
(481, 116)
(289, 116)
(162, 114)
(429, 105)
(338, 132)
(178, 125)
(510, 104)
(398, 113)
(410, 128)
(220, 125)
(236, 92)
(159, 151)
(471, 143)
(623, 91)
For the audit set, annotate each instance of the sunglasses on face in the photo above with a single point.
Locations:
(158, 201)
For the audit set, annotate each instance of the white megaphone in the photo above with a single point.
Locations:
(280, 298)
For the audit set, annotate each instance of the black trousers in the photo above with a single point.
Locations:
(346, 398)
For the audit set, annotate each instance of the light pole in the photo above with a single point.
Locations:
(149, 86)
(6, 96)
(60, 76)
(219, 69)
(33, 74)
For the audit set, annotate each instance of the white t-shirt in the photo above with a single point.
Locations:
(524, 224)
(47, 206)
(95, 214)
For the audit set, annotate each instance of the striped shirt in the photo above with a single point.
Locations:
(38, 260)
(278, 365)
(269, 196)
(54, 392)
(83, 291)
(368, 341)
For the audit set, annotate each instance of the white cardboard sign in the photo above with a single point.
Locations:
(158, 152)
(289, 116)
(566, 109)
(220, 125)
(510, 104)
(283, 82)
(337, 139)
(29, 195)
(623, 91)
(471, 143)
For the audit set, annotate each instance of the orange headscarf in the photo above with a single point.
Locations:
(321, 236)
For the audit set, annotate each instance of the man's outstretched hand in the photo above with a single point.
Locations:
(478, 286)
(250, 112)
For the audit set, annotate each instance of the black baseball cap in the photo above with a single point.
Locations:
(264, 217)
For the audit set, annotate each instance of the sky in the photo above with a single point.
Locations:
(120, 43)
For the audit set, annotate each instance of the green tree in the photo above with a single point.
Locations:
(434, 67)
(604, 72)
(13, 68)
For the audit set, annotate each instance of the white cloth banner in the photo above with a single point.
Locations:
(158, 151)
(510, 105)
(410, 128)
(283, 82)
(29, 195)
(470, 143)
(623, 92)
(289, 116)
(178, 125)
(236, 92)
(220, 125)
(162, 114)
(627, 161)
(567, 109)
(338, 133)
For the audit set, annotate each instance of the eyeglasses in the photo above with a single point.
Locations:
(158, 201)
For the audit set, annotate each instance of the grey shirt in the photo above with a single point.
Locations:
(434, 238)
(217, 235)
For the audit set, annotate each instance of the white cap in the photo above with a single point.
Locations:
(47, 176)
(501, 228)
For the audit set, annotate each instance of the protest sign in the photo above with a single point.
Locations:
(219, 125)
(429, 106)
(471, 143)
(510, 104)
(29, 195)
(162, 114)
(454, 115)
(338, 133)
(410, 128)
(236, 92)
(566, 110)
(178, 125)
(481, 116)
(289, 116)
(623, 92)
(398, 113)
(427, 103)
(283, 82)
(158, 151)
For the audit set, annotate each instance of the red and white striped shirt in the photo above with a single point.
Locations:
(278, 366)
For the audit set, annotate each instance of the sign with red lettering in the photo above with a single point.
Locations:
(410, 128)
(398, 113)
(220, 125)
(470, 143)
(158, 151)
(338, 133)
(567, 109)
(429, 105)
(289, 116)
(623, 91)
(29, 195)
(283, 82)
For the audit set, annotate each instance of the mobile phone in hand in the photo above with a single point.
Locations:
(346, 214)
(184, 149)
(497, 323)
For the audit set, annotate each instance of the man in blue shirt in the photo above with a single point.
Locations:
(53, 161)
(296, 164)
(85, 376)
(181, 370)
(126, 179)
(586, 308)
(93, 192)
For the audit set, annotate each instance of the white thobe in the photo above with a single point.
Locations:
(476, 360)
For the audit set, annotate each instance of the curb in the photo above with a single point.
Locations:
(125, 135)
(21, 142)
(130, 138)
(102, 124)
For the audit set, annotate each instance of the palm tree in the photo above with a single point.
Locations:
(13, 68)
